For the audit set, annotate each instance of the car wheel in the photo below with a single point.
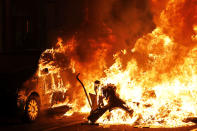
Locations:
(32, 109)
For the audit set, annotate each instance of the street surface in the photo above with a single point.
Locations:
(76, 122)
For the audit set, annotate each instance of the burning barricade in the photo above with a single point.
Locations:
(97, 106)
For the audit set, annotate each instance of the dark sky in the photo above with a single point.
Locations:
(128, 17)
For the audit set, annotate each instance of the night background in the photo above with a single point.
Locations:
(29, 27)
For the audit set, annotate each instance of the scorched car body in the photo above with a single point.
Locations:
(37, 94)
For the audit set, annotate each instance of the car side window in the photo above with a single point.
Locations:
(48, 83)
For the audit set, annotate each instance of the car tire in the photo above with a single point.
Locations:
(32, 109)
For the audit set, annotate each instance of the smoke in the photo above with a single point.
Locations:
(108, 27)
(130, 20)
(177, 20)
(116, 23)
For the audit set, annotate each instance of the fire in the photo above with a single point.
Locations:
(194, 37)
(165, 100)
(158, 80)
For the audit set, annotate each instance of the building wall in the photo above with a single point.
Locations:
(63, 19)
(47, 20)
(29, 24)
(1, 22)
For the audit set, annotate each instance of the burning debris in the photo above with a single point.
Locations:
(155, 77)
(97, 106)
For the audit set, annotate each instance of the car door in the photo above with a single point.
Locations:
(58, 93)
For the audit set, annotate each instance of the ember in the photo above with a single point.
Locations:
(156, 77)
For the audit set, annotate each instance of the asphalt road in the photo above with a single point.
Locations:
(77, 122)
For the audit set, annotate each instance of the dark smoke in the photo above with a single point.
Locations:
(180, 16)
(106, 26)
(126, 20)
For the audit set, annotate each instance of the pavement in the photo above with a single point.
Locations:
(76, 122)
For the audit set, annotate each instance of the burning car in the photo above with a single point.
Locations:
(38, 94)
(47, 88)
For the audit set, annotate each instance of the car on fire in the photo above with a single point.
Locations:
(38, 94)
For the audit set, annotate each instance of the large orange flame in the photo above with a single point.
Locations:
(160, 71)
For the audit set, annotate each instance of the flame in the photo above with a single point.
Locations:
(158, 80)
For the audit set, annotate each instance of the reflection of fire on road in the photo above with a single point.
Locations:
(158, 73)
